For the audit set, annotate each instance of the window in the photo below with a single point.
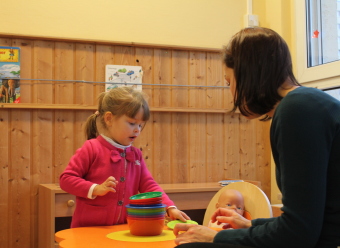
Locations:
(333, 91)
(318, 39)
(323, 32)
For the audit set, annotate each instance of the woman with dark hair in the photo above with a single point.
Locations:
(305, 141)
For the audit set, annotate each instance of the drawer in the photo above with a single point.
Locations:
(64, 205)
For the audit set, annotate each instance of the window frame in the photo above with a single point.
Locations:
(304, 73)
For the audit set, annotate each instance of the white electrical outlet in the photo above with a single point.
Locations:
(251, 20)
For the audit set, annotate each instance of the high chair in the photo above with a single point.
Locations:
(256, 202)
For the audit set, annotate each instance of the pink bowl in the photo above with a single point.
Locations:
(143, 227)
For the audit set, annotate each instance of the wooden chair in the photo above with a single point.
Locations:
(256, 202)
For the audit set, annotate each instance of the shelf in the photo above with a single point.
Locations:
(90, 107)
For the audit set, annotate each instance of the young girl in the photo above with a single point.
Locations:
(107, 170)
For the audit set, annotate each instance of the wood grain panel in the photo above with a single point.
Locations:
(247, 150)
(42, 69)
(64, 60)
(180, 121)
(231, 141)
(64, 70)
(4, 169)
(21, 181)
(215, 135)
(144, 58)
(263, 157)
(197, 122)
(4, 178)
(162, 76)
(215, 148)
(104, 56)
(162, 134)
(84, 70)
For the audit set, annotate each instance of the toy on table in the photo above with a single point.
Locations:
(146, 214)
(172, 224)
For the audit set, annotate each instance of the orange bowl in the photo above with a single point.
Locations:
(145, 227)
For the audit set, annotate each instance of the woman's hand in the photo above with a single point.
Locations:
(176, 214)
(236, 221)
(188, 233)
(107, 186)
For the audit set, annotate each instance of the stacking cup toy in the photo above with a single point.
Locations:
(146, 214)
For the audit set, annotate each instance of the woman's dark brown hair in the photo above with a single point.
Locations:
(261, 62)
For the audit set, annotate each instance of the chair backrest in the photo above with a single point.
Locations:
(255, 201)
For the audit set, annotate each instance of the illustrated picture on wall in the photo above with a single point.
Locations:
(123, 75)
(9, 74)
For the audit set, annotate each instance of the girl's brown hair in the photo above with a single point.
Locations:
(119, 101)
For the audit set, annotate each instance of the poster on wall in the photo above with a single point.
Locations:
(123, 75)
(9, 74)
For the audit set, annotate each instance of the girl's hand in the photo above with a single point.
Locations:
(236, 221)
(188, 233)
(176, 214)
(107, 186)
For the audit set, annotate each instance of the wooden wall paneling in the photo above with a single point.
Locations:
(64, 146)
(215, 77)
(162, 75)
(231, 141)
(26, 54)
(22, 192)
(104, 56)
(180, 76)
(42, 121)
(162, 120)
(215, 151)
(64, 69)
(197, 121)
(41, 124)
(263, 157)
(84, 92)
(247, 148)
(26, 60)
(42, 69)
(4, 178)
(144, 58)
(124, 55)
(4, 169)
(85, 70)
(180, 121)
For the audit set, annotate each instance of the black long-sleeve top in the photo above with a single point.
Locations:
(305, 140)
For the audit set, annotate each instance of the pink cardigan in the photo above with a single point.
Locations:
(93, 163)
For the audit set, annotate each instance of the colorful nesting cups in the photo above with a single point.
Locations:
(146, 214)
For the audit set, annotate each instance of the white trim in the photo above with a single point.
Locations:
(305, 74)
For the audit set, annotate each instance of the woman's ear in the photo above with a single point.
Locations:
(217, 205)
